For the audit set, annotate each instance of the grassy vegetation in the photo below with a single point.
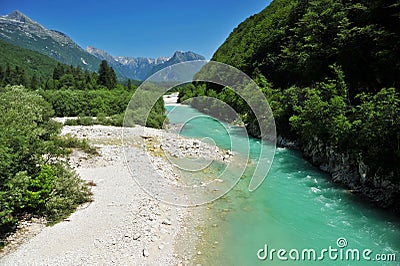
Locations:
(69, 142)
(101, 119)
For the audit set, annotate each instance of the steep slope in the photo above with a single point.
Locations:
(18, 29)
(140, 68)
(293, 42)
(32, 62)
(330, 70)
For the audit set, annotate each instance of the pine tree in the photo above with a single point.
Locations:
(107, 77)
(103, 73)
(34, 83)
(129, 86)
(58, 71)
(113, 78)
(78, 73)
(1, 75)
(19, 77)
(7, 75)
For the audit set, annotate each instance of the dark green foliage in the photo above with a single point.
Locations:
(101, 119)
(325, 67)
(66, 194)
(294, 43)
(77, 93)
(58, 71)
(138, 110)
(129, 85)
(73, 92)
(32, 63)
(87, 102)
(29, 142)
(157, 116)
(107, 77)
(14, 76)
(376, 126)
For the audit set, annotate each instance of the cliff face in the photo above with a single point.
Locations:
(350, 172)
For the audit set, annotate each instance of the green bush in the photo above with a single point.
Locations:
(114, 120)
(71, 122)
(86, 121)
(73, 102)
(29, 141)
(70, 142)
(68, 192)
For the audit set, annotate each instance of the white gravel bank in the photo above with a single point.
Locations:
(122, 226)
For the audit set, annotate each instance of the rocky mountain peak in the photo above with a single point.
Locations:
(18, 29)
(18, 16)
(140, 68)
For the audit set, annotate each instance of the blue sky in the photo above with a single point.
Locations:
(148, 28)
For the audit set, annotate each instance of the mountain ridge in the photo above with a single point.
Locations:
(20, 30)
(142, 67)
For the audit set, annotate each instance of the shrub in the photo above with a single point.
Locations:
(29, 183)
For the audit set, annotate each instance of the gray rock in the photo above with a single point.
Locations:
(146, 253)
(167, 222)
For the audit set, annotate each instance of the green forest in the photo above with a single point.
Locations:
(331, 72)
(33, 181)
(28, 64)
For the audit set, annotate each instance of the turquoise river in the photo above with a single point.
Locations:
(296, 210)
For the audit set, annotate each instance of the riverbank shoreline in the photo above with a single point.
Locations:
(123, 225)
(349, 173)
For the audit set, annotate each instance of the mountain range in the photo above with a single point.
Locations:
(18, 29)
(140, 68)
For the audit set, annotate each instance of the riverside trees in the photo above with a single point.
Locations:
(31, 182)
(330, 70)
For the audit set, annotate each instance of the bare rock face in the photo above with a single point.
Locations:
(353, 173)
(140, 68)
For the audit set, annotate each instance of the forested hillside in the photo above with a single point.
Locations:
(331, 72)
(294, 42)
(29, 64)
(20, 30)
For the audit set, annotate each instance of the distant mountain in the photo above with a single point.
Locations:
(18, 29)
(140, 68)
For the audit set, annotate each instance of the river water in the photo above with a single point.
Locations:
(296, 209)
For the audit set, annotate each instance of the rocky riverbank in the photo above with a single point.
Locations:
(350, 172)
(123, 225)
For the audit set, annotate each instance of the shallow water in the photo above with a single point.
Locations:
(295, 208)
